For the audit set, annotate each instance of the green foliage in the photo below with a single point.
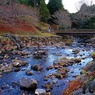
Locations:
(34, 3)
(44, 12)
(24, 1)
(54, 5)
(87, 23)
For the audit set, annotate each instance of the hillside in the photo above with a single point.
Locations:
(18, 18)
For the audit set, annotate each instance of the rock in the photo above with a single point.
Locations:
(90, 66)
(50, 67)
(77, 92)
(28, 72)
(28, 83)
(48, 86)
(92, 86)
(46, 78)
(40, 91)
(48, 93)
(40, 68)
(16, 64)
(82, 72)
(75, 51)
(93, 54)
(23, 63)
(35, 67)
(16, 69)
(6, 68)
(75, 75)
(58, 75)
(54, 81)
(76, 60)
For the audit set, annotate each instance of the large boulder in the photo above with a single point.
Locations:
(28, 83)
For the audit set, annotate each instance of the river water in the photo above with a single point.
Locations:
(53, 54)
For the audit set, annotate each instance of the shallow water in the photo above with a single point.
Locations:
(53, 54)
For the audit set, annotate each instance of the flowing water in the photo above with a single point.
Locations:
(53, 54)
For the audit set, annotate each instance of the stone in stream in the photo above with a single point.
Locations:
(35, 67)
(93, 55)
(16, 64)
(75, 51)
(23, 63)
(40, 92)
(28, 83)
(47, 86)
(29, 72)
(16, 69)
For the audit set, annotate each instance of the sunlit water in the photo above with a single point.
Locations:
(53, 54)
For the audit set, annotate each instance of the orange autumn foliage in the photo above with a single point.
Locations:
(73, 85)
(20, 27)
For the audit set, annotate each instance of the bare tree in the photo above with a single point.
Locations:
(62, 18)
(85, 12)
(81, 2)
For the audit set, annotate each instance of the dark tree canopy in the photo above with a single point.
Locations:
(34, 3)
(54, 5)
(44, 12)
(24, 1)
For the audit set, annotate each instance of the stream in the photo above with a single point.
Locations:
(53, 53)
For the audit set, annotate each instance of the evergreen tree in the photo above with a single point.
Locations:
(34, 3)
(54, 5)
(24, 1)
(44, 12)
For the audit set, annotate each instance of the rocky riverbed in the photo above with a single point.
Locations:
(42, 65)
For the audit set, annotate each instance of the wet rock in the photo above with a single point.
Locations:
(16, 69)
(58, 75)
(82, 72)
(50, 67)
(23, 63)
(48, 93)
(35, 67)
(16, 64)
(6, 68)
(48, 86)
(93, 55)
(40, 92)
(57, 66)
(75, 51)
(54, 81)
(28, 83)
(40, 68)
(46, 78)
(90, 66)
(75, 75)
(92, 86)
(77, 92)
(29, 72)
(76, 60)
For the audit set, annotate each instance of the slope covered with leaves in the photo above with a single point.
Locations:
(17, 18)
